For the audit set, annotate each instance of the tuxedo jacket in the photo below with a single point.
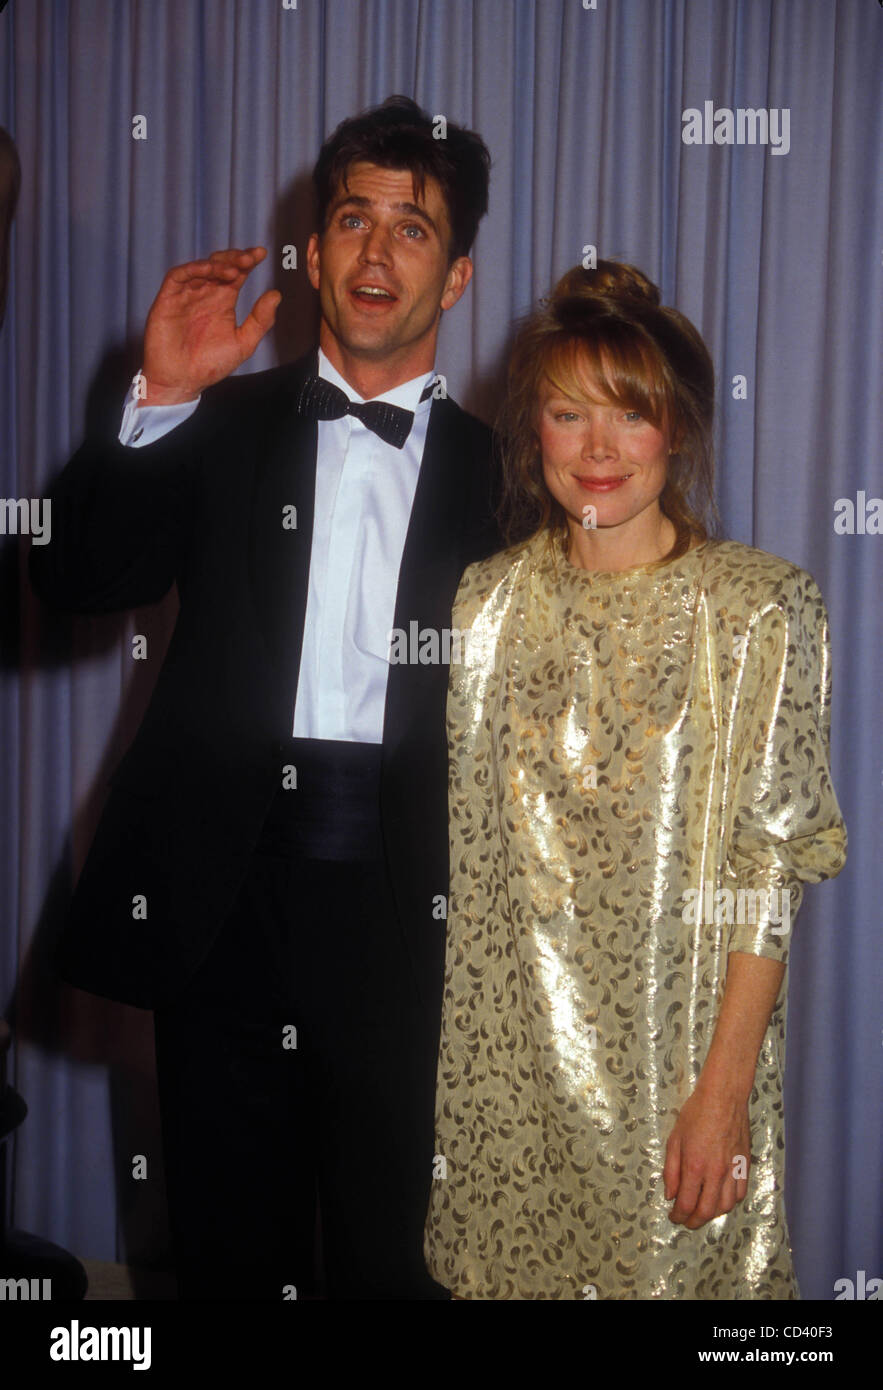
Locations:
(203, 507)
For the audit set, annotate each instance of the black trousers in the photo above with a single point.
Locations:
(299, 1068)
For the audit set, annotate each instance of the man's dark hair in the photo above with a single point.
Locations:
(399, 135)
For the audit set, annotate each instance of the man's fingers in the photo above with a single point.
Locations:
(264, 311)
(259, 320)
(241, 258)
(221, 267)
(185, 279)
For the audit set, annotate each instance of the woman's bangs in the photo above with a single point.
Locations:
(620, 372)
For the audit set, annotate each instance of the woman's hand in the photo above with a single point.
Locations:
(709, 1145)
(711, 1142)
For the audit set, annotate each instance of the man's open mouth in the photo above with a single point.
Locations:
(373, 293)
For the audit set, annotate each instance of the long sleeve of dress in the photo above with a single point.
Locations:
(785, 824)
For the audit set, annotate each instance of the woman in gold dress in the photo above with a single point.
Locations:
(639, 790)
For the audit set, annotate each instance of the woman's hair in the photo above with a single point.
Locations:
(608, 325)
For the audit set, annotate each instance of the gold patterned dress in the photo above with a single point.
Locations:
(639, 785)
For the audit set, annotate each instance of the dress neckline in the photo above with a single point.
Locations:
(555, 559)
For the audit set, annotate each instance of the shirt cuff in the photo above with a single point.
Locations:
(147, 423)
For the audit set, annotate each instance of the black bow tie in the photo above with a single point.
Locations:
(322, 400)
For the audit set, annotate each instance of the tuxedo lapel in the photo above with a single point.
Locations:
(430, 567)
(414, 781)
(281, 528)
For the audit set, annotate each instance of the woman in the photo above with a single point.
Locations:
(639, 789)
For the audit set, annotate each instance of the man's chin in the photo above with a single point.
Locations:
(373, 347)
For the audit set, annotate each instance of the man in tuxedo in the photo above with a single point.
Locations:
(270, 872)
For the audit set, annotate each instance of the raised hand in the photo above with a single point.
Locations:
(191, 339)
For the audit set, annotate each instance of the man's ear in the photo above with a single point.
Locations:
(459, 275)
(313, 260)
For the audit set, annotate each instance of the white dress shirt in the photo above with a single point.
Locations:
(364, 494)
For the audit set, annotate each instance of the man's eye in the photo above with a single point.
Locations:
(349, 219)
(412, 227)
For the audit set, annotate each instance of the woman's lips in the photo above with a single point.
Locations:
(609, 484)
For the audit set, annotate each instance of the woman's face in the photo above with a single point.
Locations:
(597, 455)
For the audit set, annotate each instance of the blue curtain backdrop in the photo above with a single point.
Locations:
(775, 255)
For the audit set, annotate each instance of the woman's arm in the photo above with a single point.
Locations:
(712, 1132)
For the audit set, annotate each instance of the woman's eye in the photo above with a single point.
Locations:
(633, 415)
(566, 415)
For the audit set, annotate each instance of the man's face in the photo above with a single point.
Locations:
(381, 269)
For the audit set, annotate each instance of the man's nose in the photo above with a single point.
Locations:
(377, 246)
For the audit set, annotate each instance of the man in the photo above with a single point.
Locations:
(270, 871)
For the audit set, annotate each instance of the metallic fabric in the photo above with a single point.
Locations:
(628, 752)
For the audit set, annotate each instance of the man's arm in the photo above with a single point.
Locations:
(142, 425)
(118, 524)
(712, 1130)
(120, 517)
